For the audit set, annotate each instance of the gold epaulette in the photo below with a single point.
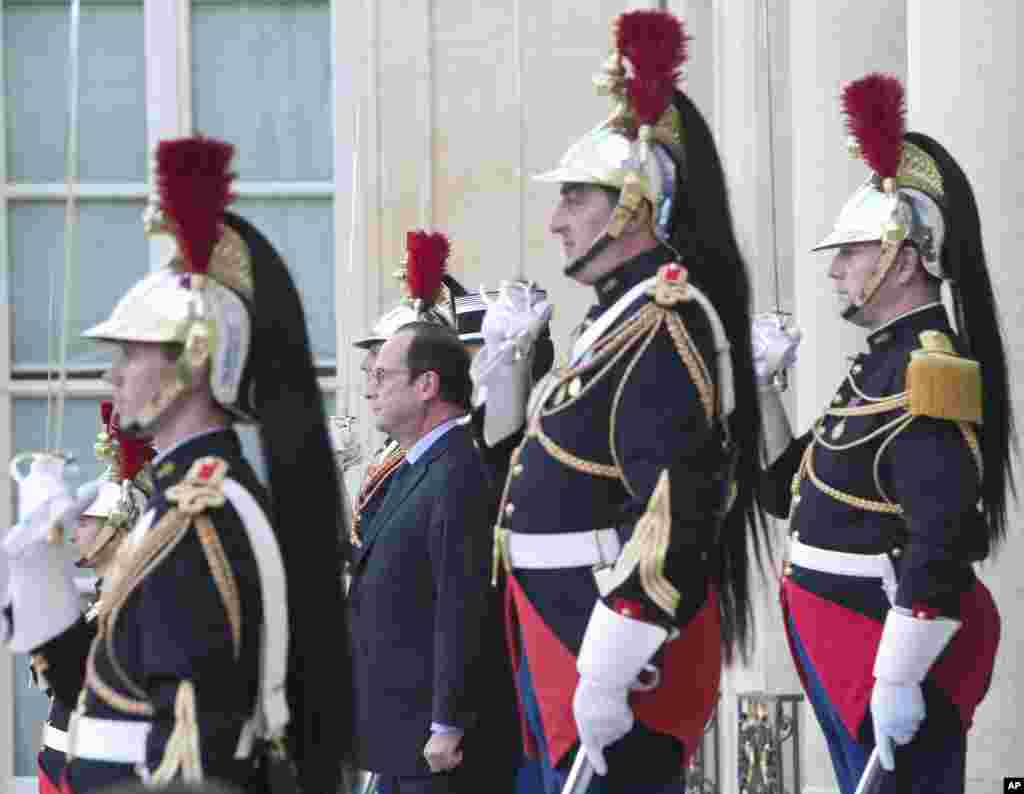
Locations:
(941, 383)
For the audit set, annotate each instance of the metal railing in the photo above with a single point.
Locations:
(769, 743)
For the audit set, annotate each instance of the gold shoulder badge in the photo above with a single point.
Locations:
(941, 383)
(202, 487)
(165, 470)
(671, 285)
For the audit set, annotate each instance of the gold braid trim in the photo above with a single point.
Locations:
(876, 470)
(171, 526)
(634, 327)
(566, 458)
(694, 362)
(223, 577)
(606, 351)
(604, 355)
(606, 360)
(883, 406)
(970, 435)
(181, 753)
(859, 502)
(612, 425)
(109, 695)
(651, 537)
(159, 541)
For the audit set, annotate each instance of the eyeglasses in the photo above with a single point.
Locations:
(377, 374)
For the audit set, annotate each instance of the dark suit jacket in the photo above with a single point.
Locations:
(417, 604)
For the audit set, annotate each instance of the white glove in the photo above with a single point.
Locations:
(510, 327)
(43, 598)
(615, 651)
(897, 711)
(774, 345)
(908, 648)
(502, 369)
(348, 449)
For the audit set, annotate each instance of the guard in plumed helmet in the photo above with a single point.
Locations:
(630, 505)
(206, 658)
(125, 487)
(900, 486)
(427, 296)
(122, 493)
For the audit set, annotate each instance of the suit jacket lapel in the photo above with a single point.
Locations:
(400, 491)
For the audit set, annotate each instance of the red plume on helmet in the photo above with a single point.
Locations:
(427, 258)
(129, 454)
(194, 184)
(876, 117)
(654, 43)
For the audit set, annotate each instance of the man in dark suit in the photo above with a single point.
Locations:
(419, 581)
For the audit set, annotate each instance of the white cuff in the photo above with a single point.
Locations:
(44, 600)
(616, 648)
(508, 389)
(910, 646)
(778, 433)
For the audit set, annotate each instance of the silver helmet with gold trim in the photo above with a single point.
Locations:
(201, 299)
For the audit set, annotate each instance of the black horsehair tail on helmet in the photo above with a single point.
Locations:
(963, 260)
(306, 515)
(702, 234)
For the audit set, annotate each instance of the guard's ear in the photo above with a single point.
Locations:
(908, 263)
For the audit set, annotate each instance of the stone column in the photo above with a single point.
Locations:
(964, 63)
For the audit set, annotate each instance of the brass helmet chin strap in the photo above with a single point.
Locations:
(115, 527)
(632, 204)
(110, 531)
(894, 234)
(195, 356)
(890, 250)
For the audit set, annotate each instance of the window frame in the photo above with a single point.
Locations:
(168, 91)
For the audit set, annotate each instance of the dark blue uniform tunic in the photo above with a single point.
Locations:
(173, 627)
(887, 483)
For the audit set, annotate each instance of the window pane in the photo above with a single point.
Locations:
(112, 255)
(302, 230)
(261, 78)
(81, 424)
(112, 101)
